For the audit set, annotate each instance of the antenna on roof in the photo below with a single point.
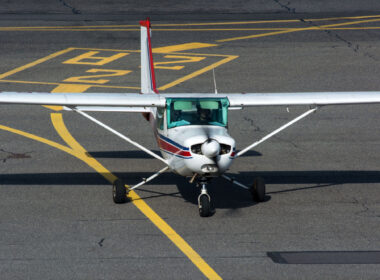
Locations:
(213, 74)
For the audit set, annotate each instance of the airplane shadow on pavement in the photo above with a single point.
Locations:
(224, 194)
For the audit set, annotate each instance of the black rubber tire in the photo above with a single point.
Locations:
(258, 190)
(204, 206)
(119, 192)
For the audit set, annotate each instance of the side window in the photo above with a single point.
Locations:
(160, 118)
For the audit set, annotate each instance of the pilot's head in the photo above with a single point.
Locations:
(204, 114)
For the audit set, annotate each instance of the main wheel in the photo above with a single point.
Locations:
(119, 192)
(258, 190)
(204, 205)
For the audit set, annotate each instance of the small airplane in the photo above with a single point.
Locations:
(191, 129)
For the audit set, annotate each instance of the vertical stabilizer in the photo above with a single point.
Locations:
(148, 80)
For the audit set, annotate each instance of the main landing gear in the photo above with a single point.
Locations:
(119, 192)
(257, 189)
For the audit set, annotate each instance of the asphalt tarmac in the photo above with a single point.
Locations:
(321, 219)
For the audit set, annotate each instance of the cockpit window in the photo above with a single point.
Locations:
(197, 111)
(160, 118)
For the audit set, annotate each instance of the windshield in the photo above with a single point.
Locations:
(197, 111)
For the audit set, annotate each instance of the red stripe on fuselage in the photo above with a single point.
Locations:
(172, 149)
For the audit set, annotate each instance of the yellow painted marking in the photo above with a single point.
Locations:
(266, 21)
(107, 50)
(89, 58)
(257, 35)
(180, 80)
(199, 72)
(57, 120)
(117, 50)
(296, 30)
(70, 88)
(34, 63)
(135, 26)
(39, 139)
(90, 78)
(182, 47)
(352, 28)
(57, 84)
(181, 59)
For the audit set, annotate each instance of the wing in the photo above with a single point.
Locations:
(303, 98)
(129, 102)
(84, 99)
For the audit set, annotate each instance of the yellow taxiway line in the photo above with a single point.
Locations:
(297, 30)
(34, 63)
(135, 26)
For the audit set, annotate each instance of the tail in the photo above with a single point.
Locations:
(148, 80)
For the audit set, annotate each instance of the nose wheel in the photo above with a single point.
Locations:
(204, 202)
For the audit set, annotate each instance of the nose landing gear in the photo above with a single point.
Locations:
(204, 200)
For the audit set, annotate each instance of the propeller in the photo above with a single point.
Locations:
(210, 148)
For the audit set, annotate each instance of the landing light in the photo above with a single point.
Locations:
(210, 168)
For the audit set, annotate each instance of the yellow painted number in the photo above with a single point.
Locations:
(180, 59)
(89, 58)
(92, 78)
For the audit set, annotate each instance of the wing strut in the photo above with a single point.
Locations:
(146, 180)
(121, 135)
(276, 131)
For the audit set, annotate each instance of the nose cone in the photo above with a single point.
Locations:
(210, 148)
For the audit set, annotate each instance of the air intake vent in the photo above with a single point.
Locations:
(225, 149)
(196, 149)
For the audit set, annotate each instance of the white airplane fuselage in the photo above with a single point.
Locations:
(205, 150)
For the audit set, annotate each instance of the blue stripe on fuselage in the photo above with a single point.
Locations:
(172, 142)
